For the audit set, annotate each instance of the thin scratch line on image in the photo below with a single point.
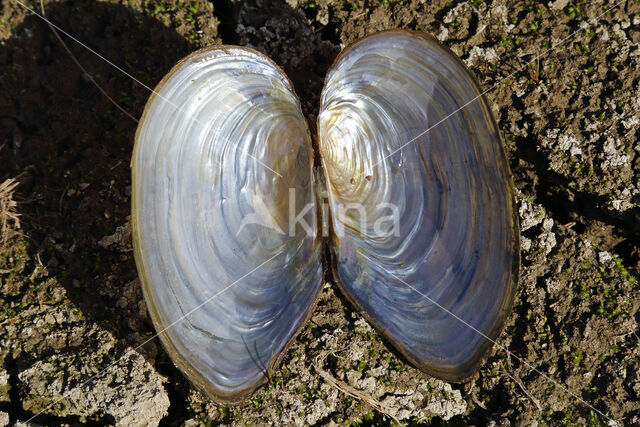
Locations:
(536, 58)
(165, 99)
(64, 395)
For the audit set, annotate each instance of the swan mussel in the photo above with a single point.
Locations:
(228, 243)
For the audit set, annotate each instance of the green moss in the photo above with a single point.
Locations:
(386, 380)
(573, 12)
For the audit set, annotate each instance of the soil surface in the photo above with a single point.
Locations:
(75, 338)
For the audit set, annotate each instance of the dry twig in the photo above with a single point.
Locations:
(518, 381)
(346, 388)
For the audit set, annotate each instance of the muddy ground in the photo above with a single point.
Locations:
(71, 306)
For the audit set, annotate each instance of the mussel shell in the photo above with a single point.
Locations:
(403, 124)
(227, 284)
(424, 232)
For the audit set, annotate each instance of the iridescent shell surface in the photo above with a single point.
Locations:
(423, 233)
(403, 128)
(226, 284)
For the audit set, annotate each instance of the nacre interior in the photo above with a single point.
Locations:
(226, 296)
(423, 234)
(442, 273)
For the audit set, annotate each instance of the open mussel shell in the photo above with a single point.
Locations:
(425, 232)
(227, 283)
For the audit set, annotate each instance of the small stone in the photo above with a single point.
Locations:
(547, 242)
(552, 285)
(130, 390)
(559, 4)
(120, 240)
(4, 378)
(604, 257)
(531, 214)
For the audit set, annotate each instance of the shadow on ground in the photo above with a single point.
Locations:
(71, 148)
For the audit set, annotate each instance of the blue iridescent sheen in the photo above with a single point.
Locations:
(227, 285)
(423, 230)
(403, 124)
